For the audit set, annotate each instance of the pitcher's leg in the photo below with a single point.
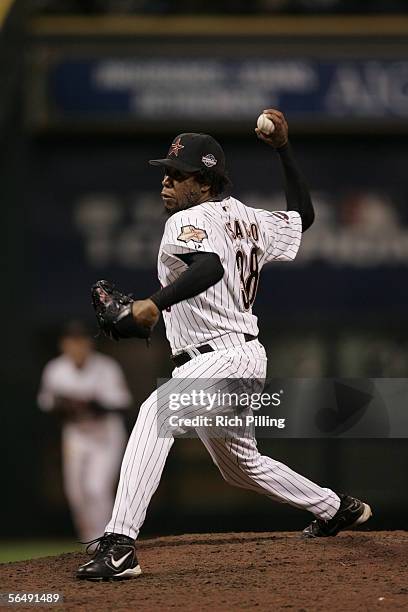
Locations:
(141, 470)
(149, 445)
(241, 464)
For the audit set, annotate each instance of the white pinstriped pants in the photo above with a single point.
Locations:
(237, 458)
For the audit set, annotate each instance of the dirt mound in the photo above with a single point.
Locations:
(220, 572)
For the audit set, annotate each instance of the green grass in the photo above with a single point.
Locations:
(21, 550)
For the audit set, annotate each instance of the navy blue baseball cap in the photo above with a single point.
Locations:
(192, 152)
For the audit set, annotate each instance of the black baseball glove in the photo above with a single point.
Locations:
(113, 311)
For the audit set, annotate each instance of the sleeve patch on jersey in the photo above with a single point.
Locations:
(190, 232)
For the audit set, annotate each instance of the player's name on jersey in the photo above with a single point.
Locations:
(222, 420)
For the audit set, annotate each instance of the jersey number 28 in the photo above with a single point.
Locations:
(248, 269)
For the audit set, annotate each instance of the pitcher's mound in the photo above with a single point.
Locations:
(220, 572)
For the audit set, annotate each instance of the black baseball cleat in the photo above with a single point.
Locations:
(114, 559)
(352, 512)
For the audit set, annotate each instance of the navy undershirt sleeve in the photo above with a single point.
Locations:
(296, 189)
(204, 270)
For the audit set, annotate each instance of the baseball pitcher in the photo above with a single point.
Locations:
(211, 254)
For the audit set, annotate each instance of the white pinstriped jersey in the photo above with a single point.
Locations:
(245, 239)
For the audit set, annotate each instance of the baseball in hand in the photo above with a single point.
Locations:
(265, 125)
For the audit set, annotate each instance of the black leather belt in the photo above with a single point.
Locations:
(182, 358)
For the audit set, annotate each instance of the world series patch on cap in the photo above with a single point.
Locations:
(192, 152)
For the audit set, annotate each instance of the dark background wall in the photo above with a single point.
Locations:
(80, 203)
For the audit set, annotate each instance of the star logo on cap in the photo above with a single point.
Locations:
(176, 147)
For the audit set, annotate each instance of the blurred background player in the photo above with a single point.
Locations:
(87, 390)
